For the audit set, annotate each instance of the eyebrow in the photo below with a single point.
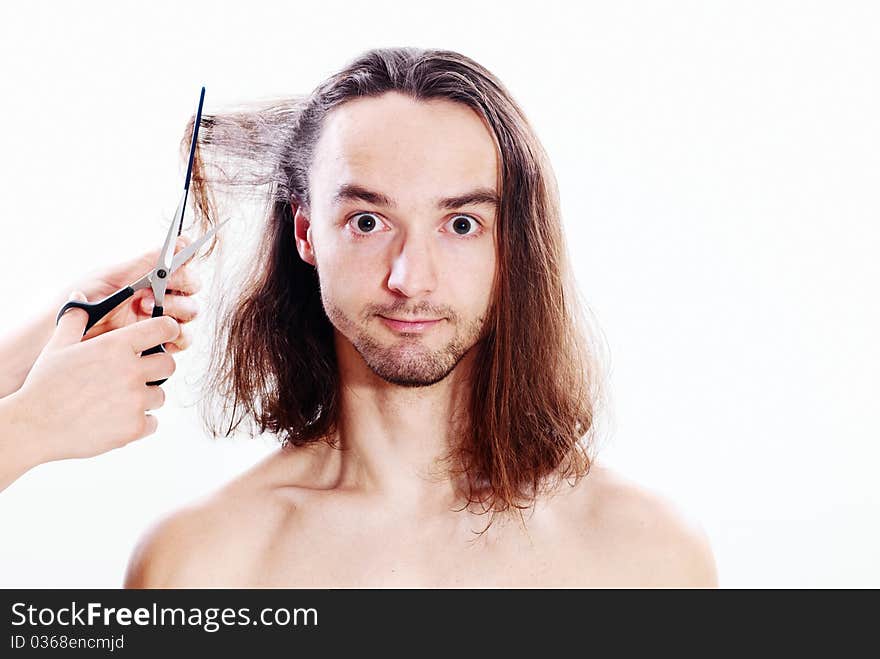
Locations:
(353, 191)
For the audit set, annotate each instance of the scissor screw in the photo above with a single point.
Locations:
(162, 274)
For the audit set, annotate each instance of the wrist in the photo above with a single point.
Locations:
(20, 440)
(20, 349)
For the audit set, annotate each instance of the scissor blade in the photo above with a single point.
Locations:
(159, 281)
(143, 282)
(192, 152)
(167, 254)
(189, 251)
(195, 139)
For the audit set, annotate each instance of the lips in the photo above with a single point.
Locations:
(415, 325)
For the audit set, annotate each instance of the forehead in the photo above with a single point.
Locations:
(404, 147)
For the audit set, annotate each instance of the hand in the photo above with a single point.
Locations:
(179, 303)
(83, 398)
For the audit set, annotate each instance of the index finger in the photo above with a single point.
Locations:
(151, 332)
(185, 281)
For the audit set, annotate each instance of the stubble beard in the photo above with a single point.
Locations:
(405, 360)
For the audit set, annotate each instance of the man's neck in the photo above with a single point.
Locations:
(395, 438)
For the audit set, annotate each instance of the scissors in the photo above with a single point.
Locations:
(166, 265)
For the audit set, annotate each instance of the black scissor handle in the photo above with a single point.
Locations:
(100, 309)
(157, 311)
(97, 310)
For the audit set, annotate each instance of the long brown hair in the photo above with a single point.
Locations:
(536, 388)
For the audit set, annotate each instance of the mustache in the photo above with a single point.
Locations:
(422, 310)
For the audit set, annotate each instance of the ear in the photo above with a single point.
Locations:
(303, 233)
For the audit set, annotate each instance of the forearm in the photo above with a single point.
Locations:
(20, 348)
(18, 446)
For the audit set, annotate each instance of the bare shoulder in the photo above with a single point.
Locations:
(214, 541)
(165, 555)
(653, 542)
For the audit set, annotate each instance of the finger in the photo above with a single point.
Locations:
(183, 241)
(151, 332)
(182, 308)
(185, 280)
(155, 367)
(154, 398)
(71, 326)
(150, 423)
(182, 342)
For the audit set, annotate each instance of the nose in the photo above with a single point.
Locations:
(413, 270)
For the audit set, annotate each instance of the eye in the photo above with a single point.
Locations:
(364, 223)
(464, 225)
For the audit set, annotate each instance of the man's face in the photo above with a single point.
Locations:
(389, 239)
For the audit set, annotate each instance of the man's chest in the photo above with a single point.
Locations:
(353, 556)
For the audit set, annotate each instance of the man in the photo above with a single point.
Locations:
(418, 355)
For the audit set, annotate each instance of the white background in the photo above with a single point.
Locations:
(718, 164)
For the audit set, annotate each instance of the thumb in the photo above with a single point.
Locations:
(71, 326)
